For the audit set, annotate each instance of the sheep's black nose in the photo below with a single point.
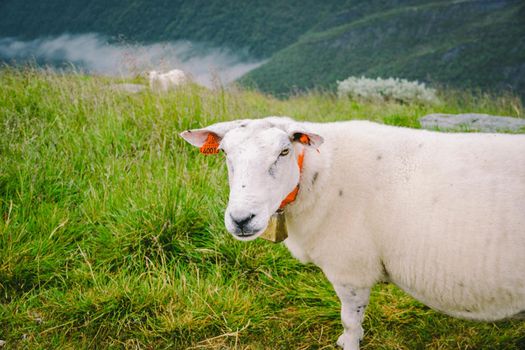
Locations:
(242, 223)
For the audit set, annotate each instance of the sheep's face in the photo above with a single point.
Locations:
(262, 170)
(261, 157)
(152, 75)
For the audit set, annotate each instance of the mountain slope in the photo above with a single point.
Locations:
(309, 44)
(464, 44)
(260, 27)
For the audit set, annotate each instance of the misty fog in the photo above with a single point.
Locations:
(92, 53)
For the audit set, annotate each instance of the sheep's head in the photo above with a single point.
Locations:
(152, 74)
(261, 156)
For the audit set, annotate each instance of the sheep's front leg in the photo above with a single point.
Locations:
(353, 305)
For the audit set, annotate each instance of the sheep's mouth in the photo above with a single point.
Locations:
(249, 234)
(246, 233)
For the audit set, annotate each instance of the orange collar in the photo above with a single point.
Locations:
(292, 195)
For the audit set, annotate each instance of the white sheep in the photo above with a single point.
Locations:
(166, 81)
(440, 215)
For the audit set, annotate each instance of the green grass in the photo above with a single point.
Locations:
(111, 229)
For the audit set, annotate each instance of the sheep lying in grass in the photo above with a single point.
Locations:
(440, 215)
(166, 81)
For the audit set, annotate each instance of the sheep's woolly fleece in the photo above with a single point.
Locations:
(440, 215)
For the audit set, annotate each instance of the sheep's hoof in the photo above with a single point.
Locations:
(341, 341)
(347, 343)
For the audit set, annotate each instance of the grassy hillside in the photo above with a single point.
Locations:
(111, 229)
(462, 44)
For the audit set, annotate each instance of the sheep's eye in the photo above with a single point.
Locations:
(284, 152)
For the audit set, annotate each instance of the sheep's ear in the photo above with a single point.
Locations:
(205, 139)
(209, 138)
(299, 133)
(307, 138)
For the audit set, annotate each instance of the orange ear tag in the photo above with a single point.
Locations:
(304, 139)
(211, 146)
